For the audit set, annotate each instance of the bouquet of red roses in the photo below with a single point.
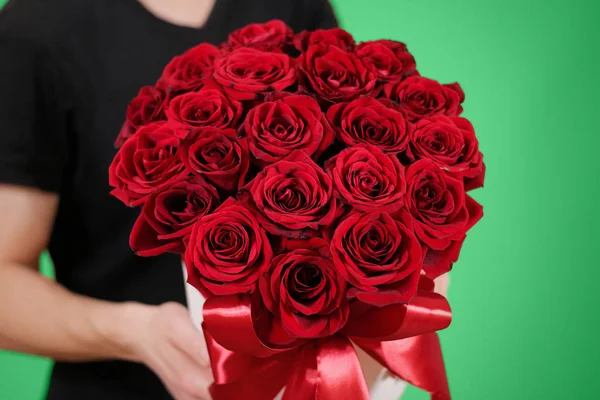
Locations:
(314, 187)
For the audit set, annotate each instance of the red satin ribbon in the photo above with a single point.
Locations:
(400, 337)
(417, 360)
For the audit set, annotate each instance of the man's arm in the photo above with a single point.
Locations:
(36, 314)
(39, 316)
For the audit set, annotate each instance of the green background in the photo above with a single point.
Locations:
(524, 323)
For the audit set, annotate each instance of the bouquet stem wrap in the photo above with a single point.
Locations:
(401, 337)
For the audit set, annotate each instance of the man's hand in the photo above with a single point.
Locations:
(166, 340)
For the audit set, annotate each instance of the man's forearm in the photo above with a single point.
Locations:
(39, 316)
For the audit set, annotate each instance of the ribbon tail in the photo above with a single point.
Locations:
(237, 373)
(242, 364)
(327, 370)
(264, 386)
(417, 360)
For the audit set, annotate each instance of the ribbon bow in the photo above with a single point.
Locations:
(401, 337)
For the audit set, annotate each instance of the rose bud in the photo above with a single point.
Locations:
(218, 156)
(272, 35)
(227, 251)
(370, 121)
(379, 255)
(204, 108)
(443, 213)
(305, 294)
(421, 97)
(168, 215)
(332, 37)
(147, 162)
(449, 142)
(293, 197)
(390, 60)
(275, 128)
(246, 72)
(146, 107)
(190, 70)
(368, 179)
(334, 74)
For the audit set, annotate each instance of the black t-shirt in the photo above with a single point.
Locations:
(68, 68)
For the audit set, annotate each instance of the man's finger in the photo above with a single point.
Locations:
(187, 376)
(190, 340)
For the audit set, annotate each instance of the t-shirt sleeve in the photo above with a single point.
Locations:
(33, 112)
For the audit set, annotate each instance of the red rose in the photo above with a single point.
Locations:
(305, 294)
(443, 213)
(189, 71)
(147, 162)
(276, 128)
(334, 37)
(368, 179)
(421, 97)
(449, 142)
(270, 35)
(227, 251)
(218, 156)
(389, 59)
(293, 197)
(334, 74)
(146, 107)
(168, 215)
(370, 121)
(379, 255)
(246, 72)
(207, 107)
